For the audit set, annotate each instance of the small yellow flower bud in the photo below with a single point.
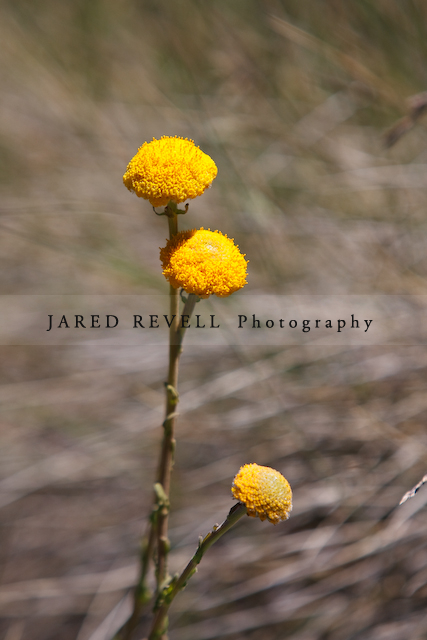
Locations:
(264, 491)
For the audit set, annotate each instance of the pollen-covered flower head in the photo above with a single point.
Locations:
(264, 491)
(171, 168)
(204, 262)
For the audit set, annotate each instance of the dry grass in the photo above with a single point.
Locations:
(292, 100)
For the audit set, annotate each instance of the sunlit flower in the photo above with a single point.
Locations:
(171, 168)
(264, 491)
(204, 262)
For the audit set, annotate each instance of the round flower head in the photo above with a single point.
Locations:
(169, 169)
(204, 262)
(264, 491)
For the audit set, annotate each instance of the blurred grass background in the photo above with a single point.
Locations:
(293, 101)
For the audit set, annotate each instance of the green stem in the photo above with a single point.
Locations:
(168, 443)
(176, 336)
(157, 535)
(159, 627)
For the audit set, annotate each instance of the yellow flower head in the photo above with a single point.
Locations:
(204, 262)
(264, 491)
(169, 169)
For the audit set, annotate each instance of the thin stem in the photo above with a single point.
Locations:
(159, 628)
(157, 535)
(168, 445)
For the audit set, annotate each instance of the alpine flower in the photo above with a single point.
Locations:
(204, 262)
(171, 168)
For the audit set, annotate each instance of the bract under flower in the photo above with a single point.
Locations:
(171, 168)
(204, 262)
(264, 491)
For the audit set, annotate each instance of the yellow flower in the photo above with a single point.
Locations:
(169, 169)
(204, 262)
(264, 492)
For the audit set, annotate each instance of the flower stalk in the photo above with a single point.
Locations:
(168, 442)
(176, 336)
(166, 597)
(157, 535)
